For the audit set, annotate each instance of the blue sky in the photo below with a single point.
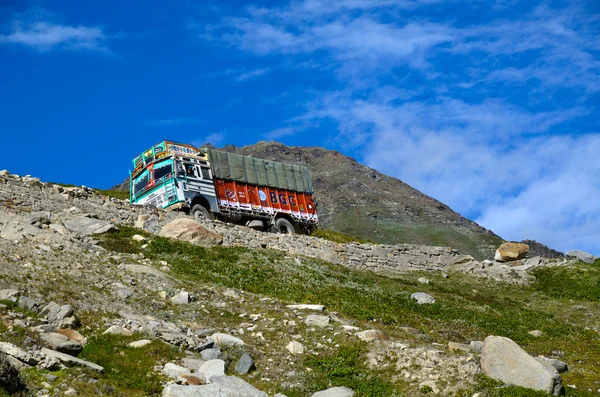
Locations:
(488, 106)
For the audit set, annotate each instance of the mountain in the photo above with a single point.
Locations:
(358, 200)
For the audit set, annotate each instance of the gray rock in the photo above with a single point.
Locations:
(58, 313)
(207, 344)
(232, 386)
(334, 392)
(173, 370)
(422, 298)
(476, 346)
(88, 226)
(182, 298)
(245, 364)
(29, 304)
(212, 390)
(554, 363)
(139, 343)
(192, 363)
(423, 280)
(581, 255)
(226, 340)
(9, 295)
(316, 320)
(317, 308)
(295, 347)
(504, 360)
(18, 353)
(212, 368)
(70, 361)
(211, 354)
(61, 343)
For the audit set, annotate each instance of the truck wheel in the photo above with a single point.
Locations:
(283, 226)
(199, 212)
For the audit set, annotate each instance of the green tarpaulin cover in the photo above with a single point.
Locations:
(260, 172)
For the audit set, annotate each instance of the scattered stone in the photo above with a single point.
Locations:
(476, 346)
(245, 364)
(231, 293)
(208, 344)
(316, 320)
(459, 347)
(581, 255)
(350, 328)
(423, 280)
(233, 386)
(137, 237)
(9, 295)
(511, 252)
(140, 343)
(422, 298)
(334, 392)
(211, 390)
(88, 226)
(226, 340)
(503, 359)
(189, 230)
(51, 378)
(173, 370)
(552, 362)
(61, 343)
(116, 330)
(536, 333)
(192, 363)
(371, 335)
(29, 304)
(295, 347)
(70, 392)
(317, 308)
(212, 368)
(70, 361)
(61, 316)
(182, 298)
(18, 353)
(211, 354)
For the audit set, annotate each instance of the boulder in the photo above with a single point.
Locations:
(554, 363)
(61, 343)
(422, 298)
(189, 230)
(182, 298)
(18, 353)
(26, 303)
(511, 252)
(317, 320)
(334, 392)
(70, 361)
(245, 364)
(223, 386)
(87, 226)
(139, 343)
(226, 340)
(212, 368)
(317, 308)
(371, 335)
(581, 255)
(504, 360)
(173, 370)
(210, 354)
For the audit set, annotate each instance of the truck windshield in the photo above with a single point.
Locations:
(162, 170)
(141, 182)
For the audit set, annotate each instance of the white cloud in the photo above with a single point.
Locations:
(216, 139)
(37, 30)
(253, 73)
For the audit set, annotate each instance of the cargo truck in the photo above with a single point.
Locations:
(214, 184)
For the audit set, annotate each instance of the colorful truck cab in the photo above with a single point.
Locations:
(215, 184)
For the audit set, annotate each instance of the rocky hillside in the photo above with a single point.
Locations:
(101, 298)
(363, 202)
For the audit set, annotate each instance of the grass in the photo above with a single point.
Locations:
(118, 194)
(129, 370)
(338, 237)
(466, 308)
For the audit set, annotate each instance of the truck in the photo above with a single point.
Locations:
(215, 184)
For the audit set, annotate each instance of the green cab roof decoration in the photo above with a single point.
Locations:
(235, 167)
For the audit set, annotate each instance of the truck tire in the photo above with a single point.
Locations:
(283, 226)
(200, 212)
